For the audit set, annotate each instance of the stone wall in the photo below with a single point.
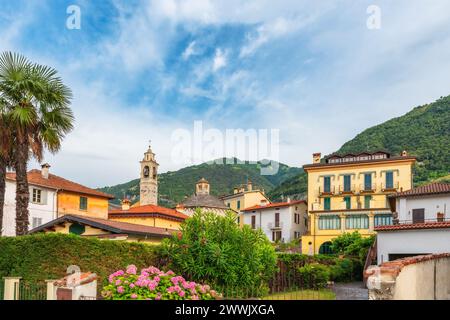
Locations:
(414, 278)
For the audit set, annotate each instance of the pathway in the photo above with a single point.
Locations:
(351, 291)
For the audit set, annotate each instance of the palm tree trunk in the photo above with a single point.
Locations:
(22, 191)
(2, 190)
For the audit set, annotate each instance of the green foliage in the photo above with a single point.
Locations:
(315, 275)
(215, 250)
(39, 257)
(174, 186)
(154, 284)
(352, 244)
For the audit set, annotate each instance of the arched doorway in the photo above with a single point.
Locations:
(325, 248)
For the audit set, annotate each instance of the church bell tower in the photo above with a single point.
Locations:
(149, 179)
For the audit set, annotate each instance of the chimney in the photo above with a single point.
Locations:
(126, 204)
(263, 202)
(235, 190)
(316, 157)
(288, 200)
(249, 186)
(404, 153)
(44, 170)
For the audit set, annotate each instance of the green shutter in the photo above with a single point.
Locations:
(326, 204)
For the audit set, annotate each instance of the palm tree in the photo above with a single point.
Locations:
(37, 105)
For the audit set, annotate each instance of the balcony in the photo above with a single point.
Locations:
(371, 188)
(347, 190)
(275, 225)
(390, 188)
(440, 219)
(326, 191)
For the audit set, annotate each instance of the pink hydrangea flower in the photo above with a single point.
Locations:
(158, 296)
(131, 269)
(118, 282)
(134, 296)
(132, 285)
(181, 293)
(120, 289)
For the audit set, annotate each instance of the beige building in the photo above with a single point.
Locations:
(202, 199)
(149, 179)
(244, 197)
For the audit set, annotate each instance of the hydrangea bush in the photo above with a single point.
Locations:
(154, 284)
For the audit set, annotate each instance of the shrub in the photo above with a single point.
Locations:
(39, 257)
(214, 249)
(342, 270)
(154, 284)
(352, 244)
(314, 275)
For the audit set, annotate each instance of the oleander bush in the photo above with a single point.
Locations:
(215, 250)
(154, 284)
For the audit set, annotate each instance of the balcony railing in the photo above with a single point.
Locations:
(417, 221)
(367, 188)
(326, 191)
(347, 190)
(275, 225)
(391, 187)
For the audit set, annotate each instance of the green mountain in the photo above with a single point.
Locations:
(175, 185)
(424, 132)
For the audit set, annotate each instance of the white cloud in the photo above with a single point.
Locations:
(220, 60)
(189, 51)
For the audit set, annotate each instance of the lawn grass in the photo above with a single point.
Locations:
(322, 294)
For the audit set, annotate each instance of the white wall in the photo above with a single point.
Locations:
(412, 242)
(287, 221)
(46, 211)
(432, 205)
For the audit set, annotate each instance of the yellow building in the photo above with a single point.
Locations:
(244, 197)
(349, 193)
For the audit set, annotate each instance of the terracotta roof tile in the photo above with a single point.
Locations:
(274, 205)
(413, 226)
(149, 209)
(55, 182)
(432, 188)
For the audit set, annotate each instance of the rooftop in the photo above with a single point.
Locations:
(108, 225)
(58, 183)
(429, 189)
(148, 209)
(414, 226)
(204, 200)
(274, 205)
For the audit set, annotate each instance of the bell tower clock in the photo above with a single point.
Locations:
(149, 179)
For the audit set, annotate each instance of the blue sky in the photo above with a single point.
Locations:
(312, 69)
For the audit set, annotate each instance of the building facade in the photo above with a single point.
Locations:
(244, 196)
(281, 222)
(203, 200)
(349, 193)
(421, 223)
(51, 197)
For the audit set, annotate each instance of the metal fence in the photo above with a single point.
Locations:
(32, 290)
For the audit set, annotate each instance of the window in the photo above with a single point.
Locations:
(326, 203)
(76, 228)
(367, 202)
(383, 219)
(253, 222)
(239, 204)
(276, 236)
(368, 181)
(348, 202)
(359, 221)
(83, 203)
(347, 185)
(277, 219)
(37, 196)
(326, 184)
(389, 180)
(297, 218)
(228, 204)
(238, 220)
(325, 248)
(329, 223)
(36, 222)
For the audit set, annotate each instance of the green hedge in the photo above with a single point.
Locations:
(46, 256)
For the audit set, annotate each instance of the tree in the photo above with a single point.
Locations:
(215, 250)
(37, 105)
